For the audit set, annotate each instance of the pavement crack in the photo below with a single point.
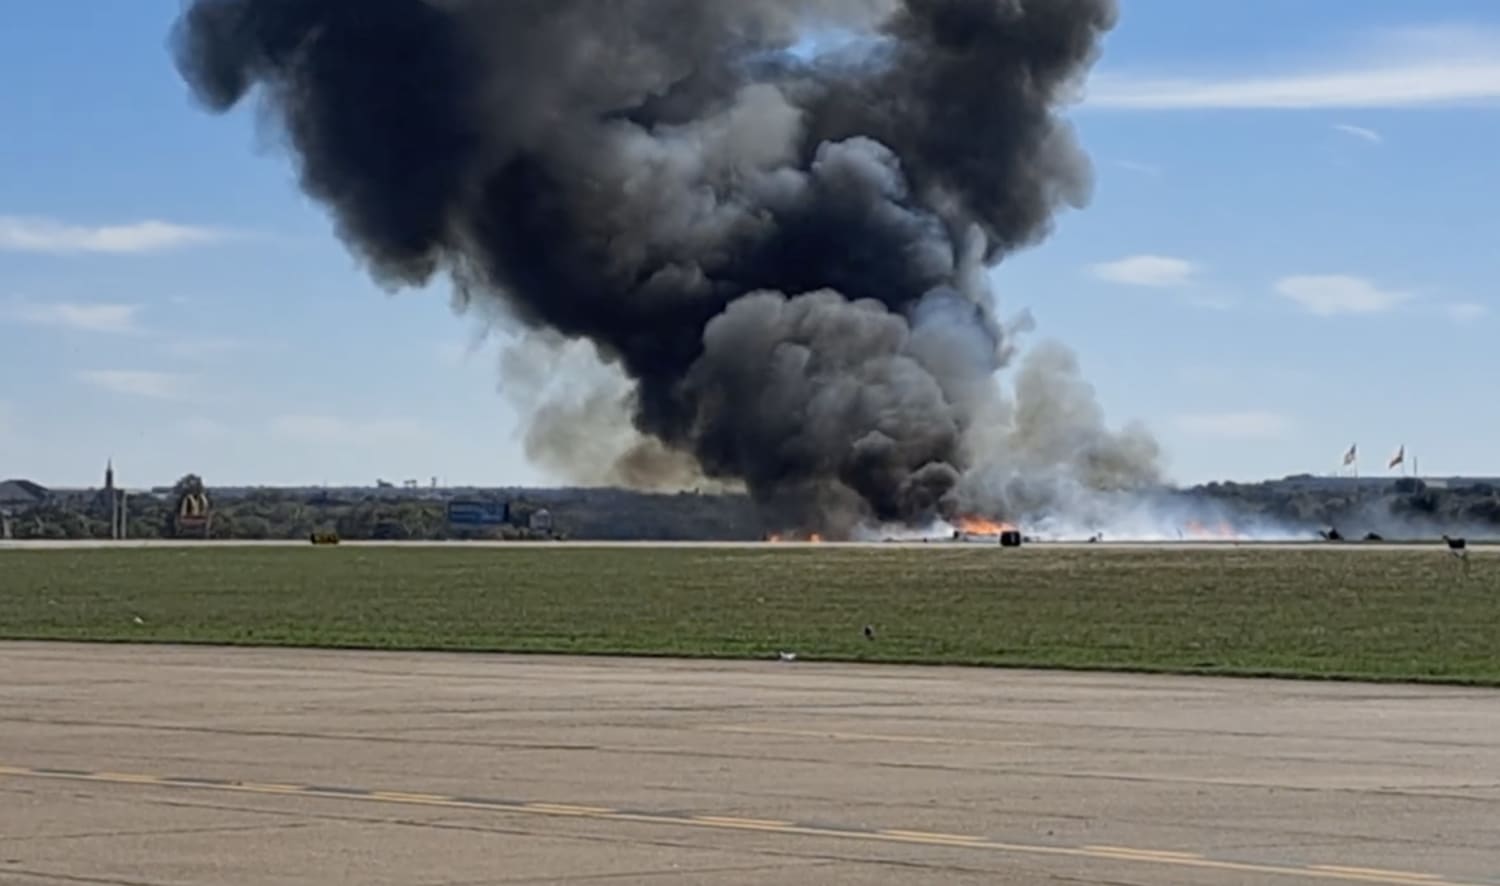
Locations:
(76, 878)
(659, 872)
(303, 736)
(703, 840)
(153, 832)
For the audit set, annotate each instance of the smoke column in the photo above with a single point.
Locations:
(783, 252)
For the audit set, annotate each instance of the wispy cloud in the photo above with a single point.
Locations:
(1361, 132)
(1330, 294)
(106, 317)
(1466, 311)
(1403, 68)
(1141, 168)
(332, 430)
(1251, 425)
(23, 234)
(1146, 270)
(136, 382)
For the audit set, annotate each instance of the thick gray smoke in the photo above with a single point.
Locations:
(783, 252)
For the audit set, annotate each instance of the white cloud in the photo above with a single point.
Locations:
(1368, 135)
(1146, 270)
(332, 430)
(21, 234)
(1253, 425)
(1330, 294)
(1139, 167)
(80, 316)
(135, 382)
(1414, 85)
(1412, 67)
(1466, 312)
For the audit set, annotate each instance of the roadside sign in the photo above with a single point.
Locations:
(478, 513)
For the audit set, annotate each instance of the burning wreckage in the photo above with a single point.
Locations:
(978, 529)
(962, 529)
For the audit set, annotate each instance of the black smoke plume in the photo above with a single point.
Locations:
(783, 251)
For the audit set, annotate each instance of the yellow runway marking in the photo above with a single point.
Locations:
(256, 787)
(404, 797)
(866, 736)
(1375, 872)
(930, 835)
(770, 823)
(127, 777)
(1147, 853)
(568, 809)
(907, 837)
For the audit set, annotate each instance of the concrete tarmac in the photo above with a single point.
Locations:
(173, 765)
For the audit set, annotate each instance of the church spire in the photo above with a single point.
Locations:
(109, 474)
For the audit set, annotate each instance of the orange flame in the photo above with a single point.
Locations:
(981, 526)
(778, 537)
(1199, 530)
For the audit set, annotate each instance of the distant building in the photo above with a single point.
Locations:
(19, 494)
(112, 501)
(541, 520)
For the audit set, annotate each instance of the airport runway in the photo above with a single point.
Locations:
(171, 765)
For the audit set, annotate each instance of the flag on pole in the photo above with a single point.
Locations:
(1352, 454)
(1399, 457)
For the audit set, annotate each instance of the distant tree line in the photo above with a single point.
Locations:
(613, 514)
(1404, 502)
(264, 514)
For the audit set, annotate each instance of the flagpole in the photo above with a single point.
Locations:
(1351, 459)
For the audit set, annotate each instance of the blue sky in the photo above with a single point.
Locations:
(1289, 249)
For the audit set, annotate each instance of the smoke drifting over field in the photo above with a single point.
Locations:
(782, 253)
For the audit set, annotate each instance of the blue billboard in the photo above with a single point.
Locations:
(478, 513)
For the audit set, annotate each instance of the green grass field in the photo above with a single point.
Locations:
(1370, 614)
